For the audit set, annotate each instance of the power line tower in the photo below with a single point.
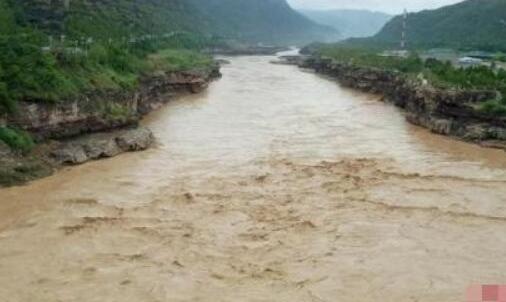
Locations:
(404, 30)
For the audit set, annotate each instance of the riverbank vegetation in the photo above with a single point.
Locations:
(16, 139)
(68, 55)
(55, 51)
(439, 74)
(28, 72)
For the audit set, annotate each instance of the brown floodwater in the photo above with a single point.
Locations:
(275, 184)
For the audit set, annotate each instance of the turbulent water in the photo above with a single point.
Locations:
(274, 185)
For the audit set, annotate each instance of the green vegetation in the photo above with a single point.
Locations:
(177, 60)
(116, 112)
(470, 24)
(15, 173)
(439, 74)
(267, 21)
(51, 52)
(494, 107)
(16, 139)
(27, 72)
(370, 58)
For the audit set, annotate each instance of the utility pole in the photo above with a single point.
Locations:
(404, 30)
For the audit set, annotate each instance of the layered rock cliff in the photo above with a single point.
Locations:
(93, 126)
(447, 112)
(107, 110)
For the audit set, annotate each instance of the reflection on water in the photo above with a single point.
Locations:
(275, 182)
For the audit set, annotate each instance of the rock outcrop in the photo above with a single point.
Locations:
(93, 126)
(447, 112)
(104, 111)
(101, 145)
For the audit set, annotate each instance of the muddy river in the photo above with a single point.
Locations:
(275, 184)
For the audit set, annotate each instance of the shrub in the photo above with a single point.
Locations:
(493, 107)
(29, 73)
(6, 103)
(16, 139)
(177, 59)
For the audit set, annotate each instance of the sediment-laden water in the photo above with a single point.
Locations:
(274, 185)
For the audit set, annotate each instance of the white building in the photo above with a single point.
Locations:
(469, 62)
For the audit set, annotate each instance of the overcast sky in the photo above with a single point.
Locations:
(389, 6)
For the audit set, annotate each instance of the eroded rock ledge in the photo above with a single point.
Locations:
(100, 145)
(104, 111)
(447, 112)
(93, 126)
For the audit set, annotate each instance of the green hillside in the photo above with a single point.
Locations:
(55, 49)
(471, 24)
(269, 21)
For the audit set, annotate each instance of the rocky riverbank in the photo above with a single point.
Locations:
(104, 111)
(93, 126)
(448, 112)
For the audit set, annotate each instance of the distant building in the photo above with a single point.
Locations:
(483, 55)
(395, 53)
(469, 62)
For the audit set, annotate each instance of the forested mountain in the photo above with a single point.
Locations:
(56, 49)
(471, 24)
(350, 23)
(271, 21)
(261, 20)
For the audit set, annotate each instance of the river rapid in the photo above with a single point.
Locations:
(275, 184)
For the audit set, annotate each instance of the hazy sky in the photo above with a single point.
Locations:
(390, 6)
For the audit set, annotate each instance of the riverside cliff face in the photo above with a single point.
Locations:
(92, 126)
(447, 112)
(107, 110)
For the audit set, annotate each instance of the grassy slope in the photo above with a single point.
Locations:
(73, 66)
(269, 21)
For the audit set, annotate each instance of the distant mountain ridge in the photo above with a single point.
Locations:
(471, 24)
(349, 22)
(270, 21)
(261, 20)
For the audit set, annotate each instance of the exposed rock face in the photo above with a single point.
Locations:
(447, 112)
(16, 168)
(101, 145)
(135, 140)
(4, 149)
(107, 110)
(67, 121)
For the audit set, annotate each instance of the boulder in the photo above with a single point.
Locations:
(101, 145)
(135, 140)
(441, 126)
(69, 154)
